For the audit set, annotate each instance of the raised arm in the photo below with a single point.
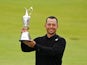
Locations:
(24, 44)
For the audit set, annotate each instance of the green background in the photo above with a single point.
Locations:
(72, 16)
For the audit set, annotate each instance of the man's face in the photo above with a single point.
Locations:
(51, 26)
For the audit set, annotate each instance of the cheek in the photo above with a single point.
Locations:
(56, 27)
(46, 26)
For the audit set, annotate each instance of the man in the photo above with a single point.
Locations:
(49, 48)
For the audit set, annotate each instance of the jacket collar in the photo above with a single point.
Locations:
(53, 37)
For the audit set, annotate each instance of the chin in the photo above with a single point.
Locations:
(51, 33)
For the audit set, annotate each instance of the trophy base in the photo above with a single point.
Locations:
(24, 40)
(25, 37)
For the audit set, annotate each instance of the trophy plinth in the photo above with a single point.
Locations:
(26, 21)
(25, 36)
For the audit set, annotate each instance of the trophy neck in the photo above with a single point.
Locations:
(26, 27)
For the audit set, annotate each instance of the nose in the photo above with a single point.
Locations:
(51, 26)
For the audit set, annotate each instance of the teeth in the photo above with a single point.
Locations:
(51, 29)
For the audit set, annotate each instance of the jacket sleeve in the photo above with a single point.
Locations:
(57, 49)
(26, 48)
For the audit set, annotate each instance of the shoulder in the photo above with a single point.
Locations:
(60, 37)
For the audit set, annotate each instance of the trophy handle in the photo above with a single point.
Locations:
(30, 10)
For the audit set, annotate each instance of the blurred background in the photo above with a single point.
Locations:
(72, 16)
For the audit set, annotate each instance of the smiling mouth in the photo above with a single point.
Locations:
(51, 29)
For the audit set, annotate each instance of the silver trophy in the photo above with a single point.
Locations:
(26, 20)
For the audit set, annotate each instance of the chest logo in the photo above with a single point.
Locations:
(56, 39)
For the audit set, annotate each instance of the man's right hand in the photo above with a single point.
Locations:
(31, 43)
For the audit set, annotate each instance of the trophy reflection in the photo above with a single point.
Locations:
(26, 21)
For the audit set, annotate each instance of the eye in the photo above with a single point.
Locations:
(53, 25)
